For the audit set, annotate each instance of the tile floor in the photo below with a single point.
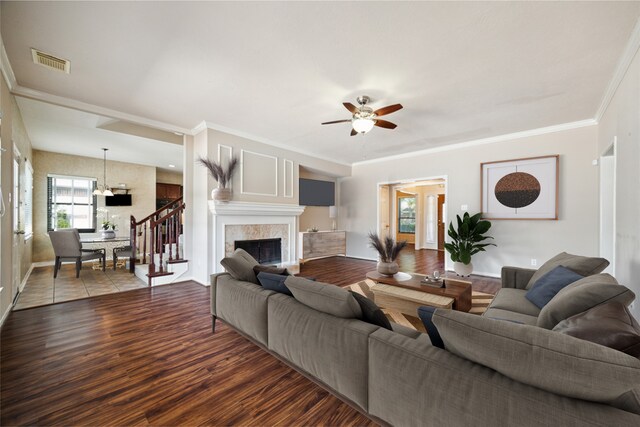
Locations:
(43, 289)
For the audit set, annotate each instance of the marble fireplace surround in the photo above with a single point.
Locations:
(233, 221)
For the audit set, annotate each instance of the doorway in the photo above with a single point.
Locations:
(608, 206)
(415, 211)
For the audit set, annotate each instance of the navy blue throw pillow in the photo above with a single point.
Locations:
(274, 282)
(371, 313)
(550, 284)
(426, 315)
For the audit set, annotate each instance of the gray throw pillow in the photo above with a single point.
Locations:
(581, 296)
(544, 359)
(550, 284)
(324, 297)
(584, 266)
(609, 324)
(240, 266)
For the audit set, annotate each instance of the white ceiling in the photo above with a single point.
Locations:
(68, 131)
(276, 70)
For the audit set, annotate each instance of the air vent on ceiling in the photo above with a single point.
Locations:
(50, 61)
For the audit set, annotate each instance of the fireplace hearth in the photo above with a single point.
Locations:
(265, 251)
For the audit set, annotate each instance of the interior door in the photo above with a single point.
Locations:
(441, 222)
(17, 230)
(383, 211)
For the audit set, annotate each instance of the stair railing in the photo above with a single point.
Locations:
(162, 227)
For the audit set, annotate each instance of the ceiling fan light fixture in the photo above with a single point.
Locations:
(361, 125)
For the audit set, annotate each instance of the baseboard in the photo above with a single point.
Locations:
(6, 314)
(362, 258)
(42, 263)
(26, 277)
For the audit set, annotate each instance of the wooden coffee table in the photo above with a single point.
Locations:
(405, 292)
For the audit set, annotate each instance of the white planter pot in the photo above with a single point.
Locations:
(108, 234)
(221, 194)
(387, 268)
(463, 270)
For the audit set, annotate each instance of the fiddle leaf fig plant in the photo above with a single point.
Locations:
(467, 237)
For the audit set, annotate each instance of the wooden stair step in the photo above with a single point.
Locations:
(177, 261)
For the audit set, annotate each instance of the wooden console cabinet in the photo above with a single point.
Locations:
(321, 244)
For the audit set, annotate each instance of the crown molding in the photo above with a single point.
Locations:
(484, 141)
(7, 71)
(628, 54)
(208, 125)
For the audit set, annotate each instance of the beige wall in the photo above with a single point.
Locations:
(12, 132)
(518, 241)
(316, 216)
(621, 121)
(141, 180)
(165, 177)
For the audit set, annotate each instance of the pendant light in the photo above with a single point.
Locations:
(106, 190)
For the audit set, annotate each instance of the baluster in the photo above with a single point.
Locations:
(169, 222)
(176, 232)
(144, 244)
(160, 247)
(152, 261)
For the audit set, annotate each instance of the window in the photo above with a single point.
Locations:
(407, 215)
(71, 203)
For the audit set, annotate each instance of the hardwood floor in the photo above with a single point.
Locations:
(346, 271)
(147, 356)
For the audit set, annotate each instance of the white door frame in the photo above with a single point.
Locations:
(406, 181)
(16, 257)
(610, 152)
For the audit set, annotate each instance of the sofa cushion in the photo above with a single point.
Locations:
(545, 359)
(269, 269)
(609, 324)
(240, 265)
(514, 300)
(426, 315)
(512, 316)
(584, 266)
(371, 313)
(547, 286)
(324, 297)
(274, 282)
(581, 296)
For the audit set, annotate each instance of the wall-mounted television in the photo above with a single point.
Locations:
(317, 193)
(118, 200)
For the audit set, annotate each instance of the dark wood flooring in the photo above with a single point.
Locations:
(147, 357)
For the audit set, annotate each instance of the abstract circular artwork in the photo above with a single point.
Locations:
(517, 190)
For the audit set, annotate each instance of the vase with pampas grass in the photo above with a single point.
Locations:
(388, 250)
(222, 176)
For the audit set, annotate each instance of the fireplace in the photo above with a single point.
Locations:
(265, 251)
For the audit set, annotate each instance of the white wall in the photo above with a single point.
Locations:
(621, 121)
(518, 241)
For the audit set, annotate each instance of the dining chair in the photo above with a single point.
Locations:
(122, 252)
(67, 247)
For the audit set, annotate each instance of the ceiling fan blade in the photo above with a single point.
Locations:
(335, 121)
(349, 106)
(385, 124)
(387, 110)
(353, 132)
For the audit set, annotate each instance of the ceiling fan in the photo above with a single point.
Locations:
(364, 118)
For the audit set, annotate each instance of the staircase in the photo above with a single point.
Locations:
(157, 241)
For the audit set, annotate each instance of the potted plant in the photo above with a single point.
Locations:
(466, 241)
(108, 230)
(388, 250)
(222, 176)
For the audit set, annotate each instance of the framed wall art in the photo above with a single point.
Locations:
(520, 188)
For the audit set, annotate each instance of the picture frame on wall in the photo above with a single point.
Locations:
(520, 188)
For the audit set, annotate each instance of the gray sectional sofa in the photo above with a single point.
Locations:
(491, 372)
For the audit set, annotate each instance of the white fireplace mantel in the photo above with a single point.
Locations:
(248, 208)
(247, 213)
